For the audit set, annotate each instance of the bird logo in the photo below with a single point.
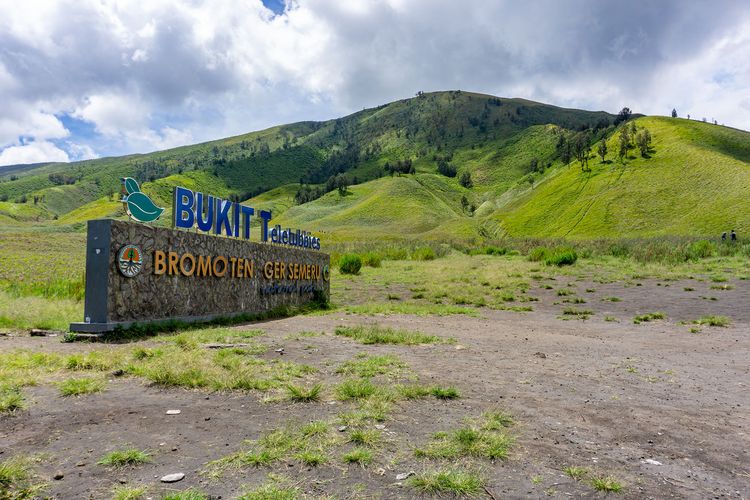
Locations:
(138, 205)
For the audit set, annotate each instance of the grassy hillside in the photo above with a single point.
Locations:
(479, 131)
(696, 182)
(405, 207)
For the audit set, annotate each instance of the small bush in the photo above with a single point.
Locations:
(538, 254)
(350, 264)
(701, 249)
(371, 259)
(606, 484)
(561, 257)
(79, 386)
(423, 253)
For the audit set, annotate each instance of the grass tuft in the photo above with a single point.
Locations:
(11, 399)
(80, 386)
(271, 492)
(454, 481)
(576, 472)
(121, 458)
(128, 492)
(644, 318)
(375, 334)
(606, 484)
(302, 394)
(355, 389)
(722, 321)
(358, 456)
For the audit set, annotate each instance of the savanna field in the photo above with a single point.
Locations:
(517, 369)
(526, 301)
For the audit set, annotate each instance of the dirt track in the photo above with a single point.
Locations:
(604, 395)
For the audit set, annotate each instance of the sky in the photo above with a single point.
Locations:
(82, 79)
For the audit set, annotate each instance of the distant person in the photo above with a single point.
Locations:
(733, 235)
(724, 236)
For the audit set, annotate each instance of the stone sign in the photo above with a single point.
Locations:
(141, 274)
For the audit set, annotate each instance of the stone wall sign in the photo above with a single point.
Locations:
(139, 274)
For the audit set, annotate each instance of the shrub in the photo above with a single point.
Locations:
(538, 254)
(423, 253)
(371, 259)
(561, 257)
(701, 249)
(350, 264)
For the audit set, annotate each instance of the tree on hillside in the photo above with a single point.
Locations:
(643, 140)
(674, 113)
(581, 149)
(623, 115)
(465, 180)
(624, 142)
(342, 183)
(602, 150)
(534, 164)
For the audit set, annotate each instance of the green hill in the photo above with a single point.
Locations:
(468, 125)
(695, 180)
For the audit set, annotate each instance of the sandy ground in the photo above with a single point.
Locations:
(607, 395)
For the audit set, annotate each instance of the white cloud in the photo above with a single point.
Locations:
(33, 152)
(114, 113)
(149, 75)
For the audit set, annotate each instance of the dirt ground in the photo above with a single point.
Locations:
(603, 394)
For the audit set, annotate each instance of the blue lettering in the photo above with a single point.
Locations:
(204, 208)
(247, 213)
(222, 217)
(183, 208)
(265, 216)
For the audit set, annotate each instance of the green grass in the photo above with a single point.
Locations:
(722, 321)
(375, 334)
(304, 394)
(695, 174)
(452, 481)
(365, 437)
(644, 318)
(124, 492)
(576, 472)
(606, 484)
(81, 386)
(17, 479)
(445, 392)
(354, 389)
(11, 399)
(121, 458)
(189, 494)
(370, 366)
(484, 438)
(271, 492)
(359, 456)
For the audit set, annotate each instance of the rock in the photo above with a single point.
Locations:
(280, 350)
(651, 461)
(58, 475)
(401, 477)
(342, 428)
(380, 471)
(540, 355)
(118, 373)
(173, 478)
(380, 426)
(80, 464)
(173, 412)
